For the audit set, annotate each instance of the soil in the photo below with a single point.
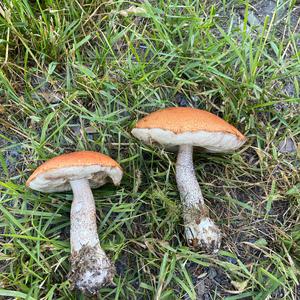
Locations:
(209, 280)
(13, 155)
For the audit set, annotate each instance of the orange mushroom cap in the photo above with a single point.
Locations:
(185, 125)
(55, 174)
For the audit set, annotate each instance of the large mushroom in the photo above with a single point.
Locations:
(80, 171)
(182, 128)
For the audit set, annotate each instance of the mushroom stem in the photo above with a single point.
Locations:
(200, 230)
(90, 267)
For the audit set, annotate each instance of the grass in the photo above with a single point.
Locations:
(78, 74)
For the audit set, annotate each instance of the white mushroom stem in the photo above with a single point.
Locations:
(200, 230)
(91, 269)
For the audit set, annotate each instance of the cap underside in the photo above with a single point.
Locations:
(210, 141)
(58, 180)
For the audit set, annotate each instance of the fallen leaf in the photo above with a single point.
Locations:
(132, 10)
(240, 286)
(261, 242)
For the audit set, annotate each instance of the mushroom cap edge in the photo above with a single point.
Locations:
(54, 174)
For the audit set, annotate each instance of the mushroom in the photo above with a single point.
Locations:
(182, 128)
(80, 171)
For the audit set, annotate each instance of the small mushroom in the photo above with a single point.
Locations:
(182, 128)
(80, 171)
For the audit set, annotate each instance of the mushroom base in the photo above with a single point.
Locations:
(200, 230)
(90, 270)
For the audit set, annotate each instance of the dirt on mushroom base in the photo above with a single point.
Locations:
(196, 215)
(86, 263)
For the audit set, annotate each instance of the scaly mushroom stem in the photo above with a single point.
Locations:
(90, 267)
(200, 230)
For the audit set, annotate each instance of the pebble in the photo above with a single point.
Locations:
(287, 146)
